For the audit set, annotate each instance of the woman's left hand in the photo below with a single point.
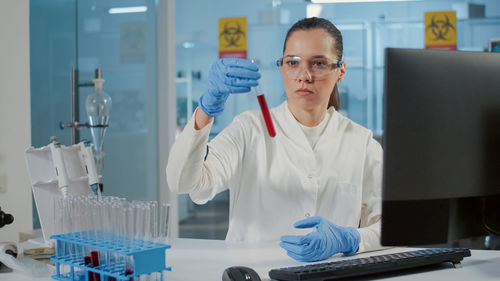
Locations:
(328, 240)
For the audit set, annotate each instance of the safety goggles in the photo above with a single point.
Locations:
(316, 68)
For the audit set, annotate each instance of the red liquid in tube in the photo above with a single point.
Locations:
(87, 262)
(265, 110)
(94, 258)
(266, 115)
(128, 272)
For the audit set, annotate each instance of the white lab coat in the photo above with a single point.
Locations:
(275, 182)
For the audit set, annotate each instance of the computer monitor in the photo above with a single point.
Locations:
(441, 143)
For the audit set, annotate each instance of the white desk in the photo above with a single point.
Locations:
(196, 259)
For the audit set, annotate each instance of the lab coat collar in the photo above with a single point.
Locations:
(291, 127)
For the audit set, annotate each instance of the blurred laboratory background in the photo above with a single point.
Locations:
(158, 46)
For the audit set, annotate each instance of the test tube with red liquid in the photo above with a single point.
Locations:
(94, 259)
(265, 110)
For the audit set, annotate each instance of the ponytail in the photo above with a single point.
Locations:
(334, 99)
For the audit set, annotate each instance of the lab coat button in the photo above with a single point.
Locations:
(309, 176)
(307, 215)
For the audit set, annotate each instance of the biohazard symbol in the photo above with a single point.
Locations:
(440, 28)
(232, 33)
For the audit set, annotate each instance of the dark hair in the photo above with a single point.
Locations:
(320, 23)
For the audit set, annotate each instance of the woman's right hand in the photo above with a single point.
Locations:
(227, 76)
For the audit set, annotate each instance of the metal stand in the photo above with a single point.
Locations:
(75, 124)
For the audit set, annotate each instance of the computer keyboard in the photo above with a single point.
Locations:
(370, 265)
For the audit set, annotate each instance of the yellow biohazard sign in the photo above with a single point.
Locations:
(233, 37)
(440, 30)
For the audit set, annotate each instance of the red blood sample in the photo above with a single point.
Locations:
(87, 261)
(128, 272)
(266, 115)
(94, 258)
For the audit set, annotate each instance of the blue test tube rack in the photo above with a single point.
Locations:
(148, 257)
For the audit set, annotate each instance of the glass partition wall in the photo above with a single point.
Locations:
(86, 35)
(367, 28)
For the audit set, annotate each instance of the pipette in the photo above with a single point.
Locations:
(265, 110)
(89, 162)
(57, 158)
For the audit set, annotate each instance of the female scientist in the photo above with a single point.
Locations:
(321, 170)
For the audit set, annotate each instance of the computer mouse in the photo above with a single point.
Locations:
(240, 273)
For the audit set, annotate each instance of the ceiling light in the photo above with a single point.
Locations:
(358, 1)
(313, 10)
(123, 10)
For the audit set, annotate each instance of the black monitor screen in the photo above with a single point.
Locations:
(441, 146)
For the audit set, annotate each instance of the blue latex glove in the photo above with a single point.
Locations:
(328, 240)
(226, 76)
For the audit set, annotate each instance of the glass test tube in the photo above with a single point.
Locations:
(69, 226)
(79, 222)
(265, 111)
(154, 220)
(117, 222)
(59, 221)
(130, 234)
(163, 222)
